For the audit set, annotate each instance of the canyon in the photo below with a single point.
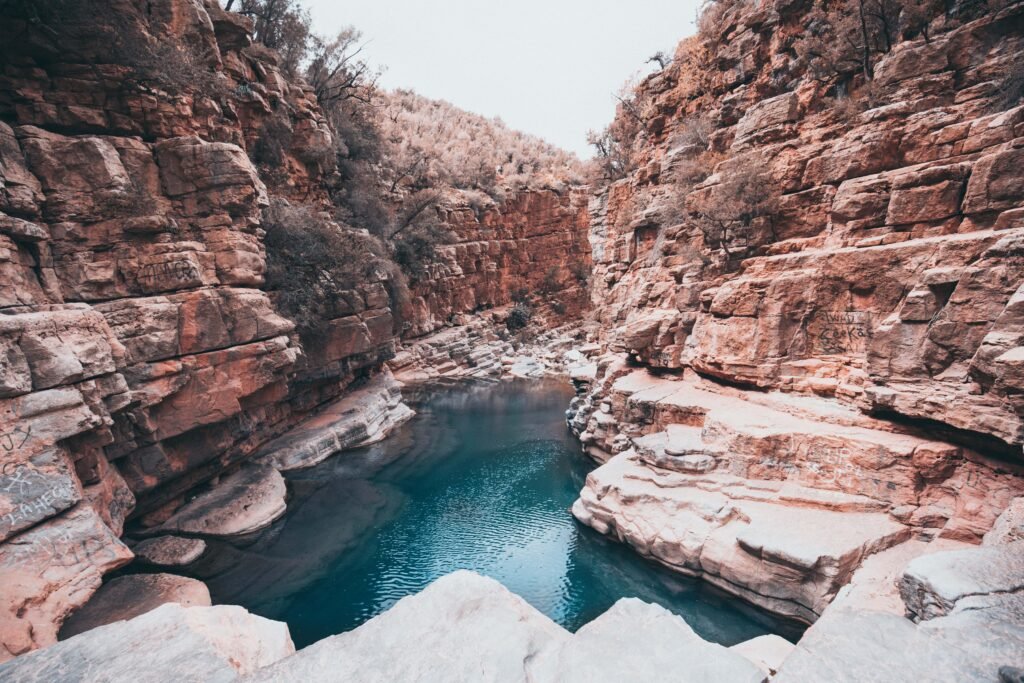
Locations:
(816, 409)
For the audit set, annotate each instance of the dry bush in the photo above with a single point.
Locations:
(430, 144)
(273, 141)
(310, 259)
(843, 38)
(730, 213)
(519, 317)
(551, 282)
(282, 25)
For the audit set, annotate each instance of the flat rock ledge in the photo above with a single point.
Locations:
(170, 643)
(244, 502)
(788, 558)
(363, 417)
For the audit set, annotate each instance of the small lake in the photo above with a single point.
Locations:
(482, 479)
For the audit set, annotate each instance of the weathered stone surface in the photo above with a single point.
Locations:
(858, 646)
(767, 114)
(170, 642)
(243, 502)
(766, 652)
(35, 489)
(362, 417)
(487, 634)
(751, 541)
(50, 570)
(635, 641)
(934, 585)
(1009, 527)
(129, 596)
(169, 551)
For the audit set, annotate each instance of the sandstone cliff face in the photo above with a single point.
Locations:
(888, 277)
(536, 242)
(139, 354)
(783, 401)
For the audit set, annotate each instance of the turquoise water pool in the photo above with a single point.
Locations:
(482, 478)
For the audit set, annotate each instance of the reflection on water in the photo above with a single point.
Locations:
(481, 479)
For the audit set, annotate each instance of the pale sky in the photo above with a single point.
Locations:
(546, 67)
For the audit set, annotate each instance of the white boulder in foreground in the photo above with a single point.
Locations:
(972, 612)
(465, 627)
(170, 643)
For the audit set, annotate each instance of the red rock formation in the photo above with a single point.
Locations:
(139, 355)
(792, 393)
(888, 278)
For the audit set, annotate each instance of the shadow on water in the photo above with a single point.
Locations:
(482, 478)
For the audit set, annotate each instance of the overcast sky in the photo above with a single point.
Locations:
(547, 67)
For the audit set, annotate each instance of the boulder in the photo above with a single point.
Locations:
(49, 571)
(464, 627)
(126, 597)
(935, 585)
(248, 500)
(169, 551)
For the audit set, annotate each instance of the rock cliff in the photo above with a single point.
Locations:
(807, 290)
(141, 356)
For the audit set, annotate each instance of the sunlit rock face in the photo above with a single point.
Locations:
(140, 356)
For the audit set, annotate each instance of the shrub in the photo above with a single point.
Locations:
(728, 213)
(518, 317)
(580, 271)
(552, 281)
(272, 141)
(431, 143)
(310, 260)
(415, 252)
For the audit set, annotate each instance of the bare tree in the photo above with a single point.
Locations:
(733, 209)
(337, 71)
(661, 58)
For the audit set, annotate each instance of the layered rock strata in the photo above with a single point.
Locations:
(142, 364)
(886, 274)
(799, 406)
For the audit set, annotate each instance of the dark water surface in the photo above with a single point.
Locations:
(482, 478)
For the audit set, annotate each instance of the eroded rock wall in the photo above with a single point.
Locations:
(535, 243)
(888, 277)
(140, 356)
(784, 397)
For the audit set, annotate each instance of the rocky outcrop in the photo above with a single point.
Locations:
(196, 643)
(888, 277)
(811, 397)
(363, 417)
(863, 635)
